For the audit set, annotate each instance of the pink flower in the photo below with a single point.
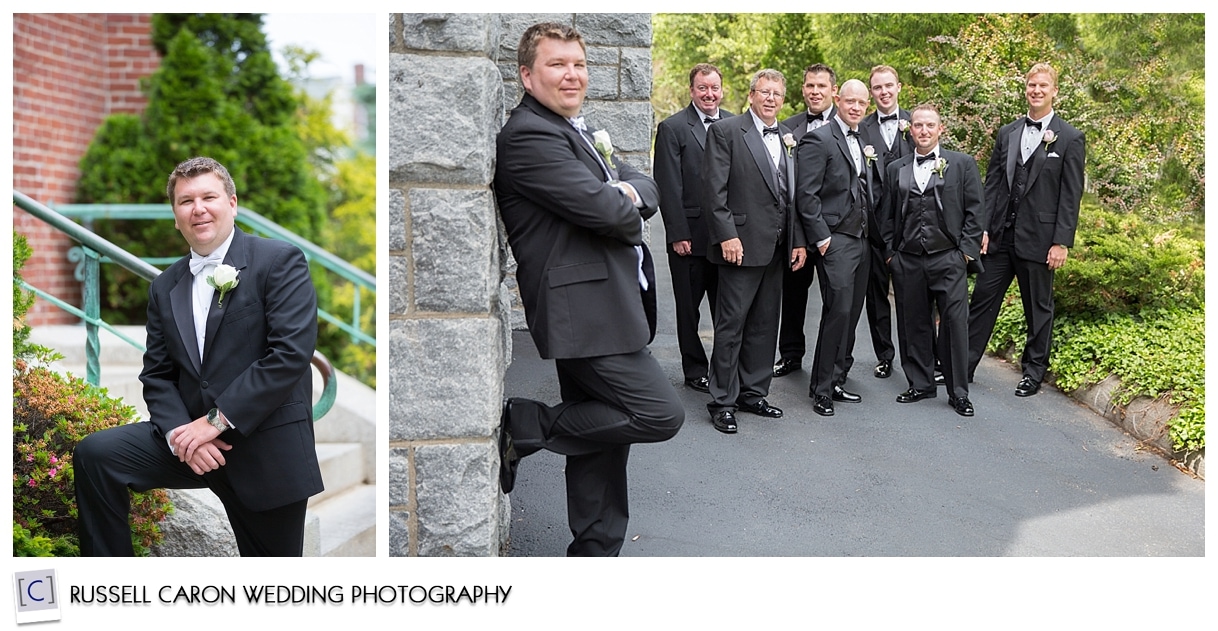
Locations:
(29, 458)
(54, 460)
(33, 483)
(1049, 137)
(52, 473)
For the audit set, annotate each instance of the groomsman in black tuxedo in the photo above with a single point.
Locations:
(574, 219)
(886, 130)
(1033, 187)
(834, 183)
(748, 176)
(819, 88)
(930, 219)
(680, 140)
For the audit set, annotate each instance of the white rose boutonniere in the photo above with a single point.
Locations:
(603, 144)
(869, 153)
(1049, 138)
(223, 279)
(903, 127)
(789, 141)
(940, 167)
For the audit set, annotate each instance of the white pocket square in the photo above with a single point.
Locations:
(1053, 155)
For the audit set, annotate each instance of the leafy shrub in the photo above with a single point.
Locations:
(1131, 303)
(51, 413)
(1124, 264)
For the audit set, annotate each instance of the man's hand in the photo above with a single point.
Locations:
(209, 457)
(824, 248)
(798, 257)
(629, 191)
(1057, 256)
(733, 251)
(985, 242)
(191, 436)
(682, 248)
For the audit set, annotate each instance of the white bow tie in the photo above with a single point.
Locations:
(199, 263)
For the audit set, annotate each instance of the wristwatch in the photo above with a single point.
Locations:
(213, 419)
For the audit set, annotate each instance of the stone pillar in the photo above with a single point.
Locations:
(453, 78)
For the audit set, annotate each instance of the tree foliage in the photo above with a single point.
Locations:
(216, 93)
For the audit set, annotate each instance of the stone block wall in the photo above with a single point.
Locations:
(453, 80)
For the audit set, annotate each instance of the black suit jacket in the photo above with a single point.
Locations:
(957, 193)
(825, 174)
(741, 192)
(680, 143)
(1048, 213)
(799, 122)
(255, 367)
(574, 236)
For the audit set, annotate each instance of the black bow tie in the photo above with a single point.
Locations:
(922, 159)
(889, 117)
(708, 120)
(1031, 123)
(765, 131)
(852, 132)
(816, 117)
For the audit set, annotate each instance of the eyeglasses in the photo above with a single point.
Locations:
(766, 94)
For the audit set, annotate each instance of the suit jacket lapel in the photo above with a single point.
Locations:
(696, 126)
(236, 257)
(761, 156)
(182, 306)
(1014, 154)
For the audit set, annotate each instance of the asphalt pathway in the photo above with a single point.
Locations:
(1037, 476)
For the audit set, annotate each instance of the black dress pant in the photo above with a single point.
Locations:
(843, 280)
(1036, 291)
(693, 277)
(924, 282)
(746, 331)
(608, 404)
(136, 456)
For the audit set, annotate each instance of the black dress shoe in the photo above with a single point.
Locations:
(940, 380)
(761, 408)
(962, 406)
(701, 384)
(840, 394)
(823, 406)
(914, 394)
(508, 460)
(883, 370)
(724, 421)
(785, 366)
(1027, 387)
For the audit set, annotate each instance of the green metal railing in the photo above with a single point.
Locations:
(361, 280)
(89, 256)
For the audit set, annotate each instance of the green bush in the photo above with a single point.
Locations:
(1124, 264)
(1130, 303)
(51, 414)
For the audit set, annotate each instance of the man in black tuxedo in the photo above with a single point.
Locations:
(1033, 187)
(886, 130)
(747, 182)
(930, 219)
(680, 139)
(819, 88)
(574, 219)
(834, 180)
(226, 379)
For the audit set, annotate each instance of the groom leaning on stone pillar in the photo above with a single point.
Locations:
(574, 216)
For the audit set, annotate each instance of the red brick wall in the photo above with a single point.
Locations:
(69, 72)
